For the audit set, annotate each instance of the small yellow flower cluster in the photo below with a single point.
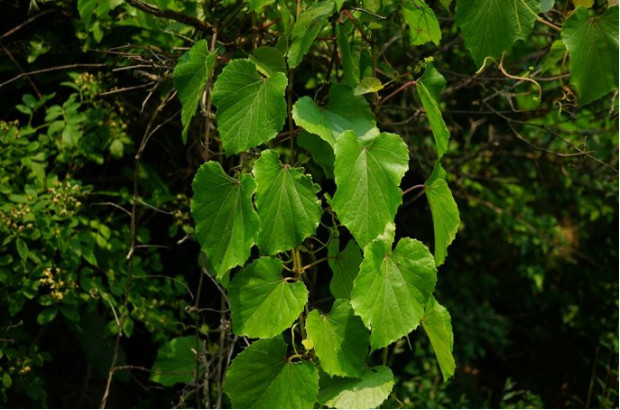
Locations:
(53, 277)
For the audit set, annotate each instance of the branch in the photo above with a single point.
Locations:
(173, 15)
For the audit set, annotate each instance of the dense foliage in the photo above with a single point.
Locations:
(234, 203)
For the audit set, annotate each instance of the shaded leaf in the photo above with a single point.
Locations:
(423, 25)
(441, 134)
(345, 111)
(175, 362)
(344, 265)
(490, 27)
(340, 339)
(592, 44)
(306, 28)
(190, 76)
(275, 382)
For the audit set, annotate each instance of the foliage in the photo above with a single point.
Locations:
(284, 212)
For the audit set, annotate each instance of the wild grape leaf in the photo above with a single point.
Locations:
(344, 266)
(423, 25)
(226, 224)
(262, 377)
(251, 109)
(366, 392)
(368, 175)
(175, 362)
(438, 326)
(490, 27)
(368, 85)
(286, 202)
(444, 211)
(263, 303)
(392, 287)
(306, 28)
(340, 339)
(345, 111)
(592, 44)
(321, 152)
(441, 134)
(190, 77)
(269, 60)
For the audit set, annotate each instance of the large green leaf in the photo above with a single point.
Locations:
(286, 202)
(592, 44)
(490, 27)
(251, 109)
(349, 44)
(444, 210)
(190, 77)
(366, 392)
(428, 96)
(345, 111)
(392, 287)
(423, 25)
(438, 326)
(263, 377)
(175, 362)
(344, 265)
(269, 60)
(226, 224)
(340, 339)
(368, 174)
(306, 28)
(263, 303)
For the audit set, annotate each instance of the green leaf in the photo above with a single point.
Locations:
(175, 362)
(446, 4)
(490, 27)
(438, 326)
(7, 382)
(368, 85)
(444, 210)
(47, 315)
(434, 82)
(349, 53)
(251, 109)
(340, 340)
(306, 28)
(344, 266)
(190, 76)
(226, 224)
(262, 301)
(86, 9)
(367, 392)
(263, 377)
(441, 134)
(368, 174)
(392, 287)
(258, 5)
(321, 152)
(287, 204)
(22, 248)
(269, 61)
(345, 111)
(592, 44)
(423, 25)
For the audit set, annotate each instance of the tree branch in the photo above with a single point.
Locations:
(173, 15)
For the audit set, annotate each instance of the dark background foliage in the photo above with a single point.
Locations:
(531, 280)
